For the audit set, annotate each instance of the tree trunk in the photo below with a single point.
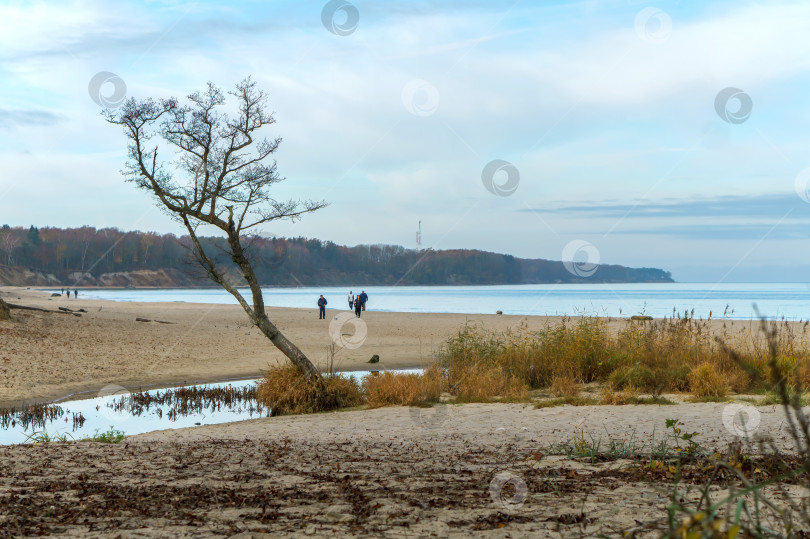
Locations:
(287, 347)
(5, 311)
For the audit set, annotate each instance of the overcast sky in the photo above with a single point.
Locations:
(611, 120)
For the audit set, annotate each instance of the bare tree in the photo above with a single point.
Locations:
(220, 173)
(8, 242)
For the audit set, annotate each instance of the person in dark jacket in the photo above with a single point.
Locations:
(363, 299)
(322, 308)
(358, 305)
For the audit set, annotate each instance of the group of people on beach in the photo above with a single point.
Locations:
(75, 292)
(358, 303)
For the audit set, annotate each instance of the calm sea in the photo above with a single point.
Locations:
(736, 300)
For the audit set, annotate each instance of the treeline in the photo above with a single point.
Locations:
(73, 252)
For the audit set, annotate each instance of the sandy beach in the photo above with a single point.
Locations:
(449, 470)
(483, 469)
(46, 356)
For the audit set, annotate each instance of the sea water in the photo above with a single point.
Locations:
(730, 300)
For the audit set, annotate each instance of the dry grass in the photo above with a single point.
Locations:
(286, 391)
(485, 383)
(645, 357)
(706, 383)
(396, 389)
(564, 385)
(625, 396)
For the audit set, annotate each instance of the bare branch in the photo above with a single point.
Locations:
(217, 170)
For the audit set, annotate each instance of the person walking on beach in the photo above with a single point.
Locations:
(322, 308)
(363, 299)
(68, 293)
(357, 306)
(76, 293)
(351, 300)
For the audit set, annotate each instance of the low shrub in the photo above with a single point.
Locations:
(285, 390)
(409, 389)
(564, 385)
(485, 383)
(633, 376)
(706, 383)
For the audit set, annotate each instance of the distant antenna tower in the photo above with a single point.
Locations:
(419, 235)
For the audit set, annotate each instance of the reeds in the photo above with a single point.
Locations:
(673, 355)
(396, 389)
(184, 401)
(37, 416)
(678, 354)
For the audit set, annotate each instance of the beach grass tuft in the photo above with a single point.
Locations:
(705, 382)
(398, 389)
(285, 390)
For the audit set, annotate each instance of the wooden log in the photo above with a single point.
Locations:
(27, 308)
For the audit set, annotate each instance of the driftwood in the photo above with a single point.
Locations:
(27, 308)
(139, 319)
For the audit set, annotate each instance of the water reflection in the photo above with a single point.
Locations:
(139, 412)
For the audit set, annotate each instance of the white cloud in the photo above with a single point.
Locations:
(568, 93)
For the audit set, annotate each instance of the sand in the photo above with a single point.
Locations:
(397, 472)
(392, 472)
(50, 356)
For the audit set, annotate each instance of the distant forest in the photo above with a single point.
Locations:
(69, 253)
